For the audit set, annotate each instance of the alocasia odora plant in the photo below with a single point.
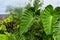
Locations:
(51, 21)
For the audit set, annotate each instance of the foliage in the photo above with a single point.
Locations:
(3, 37)
(50, 20)
(31, 23)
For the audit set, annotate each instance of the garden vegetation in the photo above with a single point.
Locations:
(31, 23)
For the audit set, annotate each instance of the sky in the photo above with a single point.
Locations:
(54, 3)
(15, 3)
(21, 3)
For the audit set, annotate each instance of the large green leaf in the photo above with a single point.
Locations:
(47, 19)
(51, 21)
(27, 20)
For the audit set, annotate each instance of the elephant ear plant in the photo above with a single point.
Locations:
(32, 23)
(51, 22)
(28, 19)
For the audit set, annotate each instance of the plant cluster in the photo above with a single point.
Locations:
(32, 23)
